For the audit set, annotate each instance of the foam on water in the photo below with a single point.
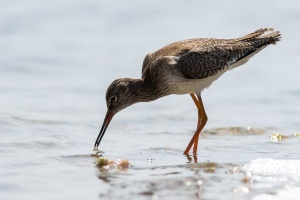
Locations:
(269, 174)
(268, 167)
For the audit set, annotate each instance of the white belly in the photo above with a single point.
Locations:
(180, 85)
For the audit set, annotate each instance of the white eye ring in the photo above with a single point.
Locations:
(113, 99)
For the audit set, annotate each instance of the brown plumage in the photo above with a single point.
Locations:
(185, 67)
(203, 57)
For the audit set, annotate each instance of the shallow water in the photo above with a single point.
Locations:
(57, 59)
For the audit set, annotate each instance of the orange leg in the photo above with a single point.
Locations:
(202, 119)
(197, 138)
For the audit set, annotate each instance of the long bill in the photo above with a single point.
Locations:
(109, 115)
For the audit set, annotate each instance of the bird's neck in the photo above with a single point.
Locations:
(145, 91)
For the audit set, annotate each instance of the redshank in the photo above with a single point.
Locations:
(184, 67)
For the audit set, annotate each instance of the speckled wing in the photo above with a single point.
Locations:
(216, 55)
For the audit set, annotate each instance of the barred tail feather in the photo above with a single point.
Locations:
(268, 35)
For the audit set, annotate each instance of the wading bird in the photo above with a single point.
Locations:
(184, 67)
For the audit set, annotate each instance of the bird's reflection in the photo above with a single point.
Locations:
(192, 158)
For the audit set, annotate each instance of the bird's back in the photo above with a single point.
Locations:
(203, 57)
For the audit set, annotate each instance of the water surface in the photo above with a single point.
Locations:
(57, 59)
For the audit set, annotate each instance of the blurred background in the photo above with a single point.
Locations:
(57, 59)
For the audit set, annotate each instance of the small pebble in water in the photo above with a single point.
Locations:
(122, 164)
(105, 163)
(101, 162)
(278, 137)
(275, 137)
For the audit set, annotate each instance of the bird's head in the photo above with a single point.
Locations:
(120, 94)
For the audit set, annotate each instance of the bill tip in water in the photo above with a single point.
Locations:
(95, 148)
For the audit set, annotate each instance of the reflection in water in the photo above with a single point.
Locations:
(192, 158)
(106, 177)
(172, 181)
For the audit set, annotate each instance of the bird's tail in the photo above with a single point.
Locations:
(264, 36)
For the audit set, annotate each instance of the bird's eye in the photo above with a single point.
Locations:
(113, 99)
